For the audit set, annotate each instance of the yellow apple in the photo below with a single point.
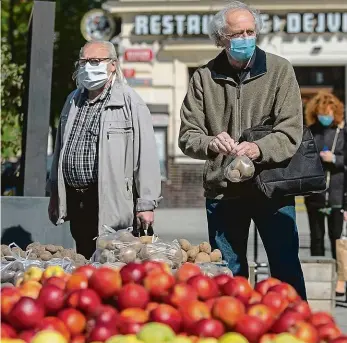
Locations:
(232, 337)
(53, 271)
(33, 273)
(50, 336)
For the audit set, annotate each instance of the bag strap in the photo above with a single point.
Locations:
(328, 173)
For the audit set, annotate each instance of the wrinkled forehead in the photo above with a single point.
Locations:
(95, 51)
(238, 21)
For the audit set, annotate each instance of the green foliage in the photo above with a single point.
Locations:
(11, 102)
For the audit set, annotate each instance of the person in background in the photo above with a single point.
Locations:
(105, 168)
(237, 90)
(324, 115)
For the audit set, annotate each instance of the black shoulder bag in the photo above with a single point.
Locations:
(303, 174)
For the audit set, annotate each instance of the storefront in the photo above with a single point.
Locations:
(161, 43)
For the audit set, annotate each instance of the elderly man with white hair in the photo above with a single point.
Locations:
(236, 91)
(105, 168)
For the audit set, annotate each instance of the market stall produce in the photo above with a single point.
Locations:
(146, 302)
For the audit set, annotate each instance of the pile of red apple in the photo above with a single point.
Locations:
(95, 304)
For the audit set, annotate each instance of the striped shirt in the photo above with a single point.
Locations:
(80, 159)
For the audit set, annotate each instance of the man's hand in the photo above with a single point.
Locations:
(145, 219)
(249, 149)
(222, 144)
(345, 216)
(327, 156)
(53, 209)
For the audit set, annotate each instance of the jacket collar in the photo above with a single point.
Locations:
(221, 64)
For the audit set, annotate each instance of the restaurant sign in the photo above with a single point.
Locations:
(197, 24)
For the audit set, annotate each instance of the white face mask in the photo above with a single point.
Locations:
(93, 77)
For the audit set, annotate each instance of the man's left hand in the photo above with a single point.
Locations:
(249, 149)
(326, 156)
(145, 219)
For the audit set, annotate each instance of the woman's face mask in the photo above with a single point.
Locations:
(325, 119)
(93, 77)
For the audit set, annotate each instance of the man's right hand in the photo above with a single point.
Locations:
(222, 144)
(53, 209)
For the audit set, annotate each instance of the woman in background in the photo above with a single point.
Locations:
(324, 115)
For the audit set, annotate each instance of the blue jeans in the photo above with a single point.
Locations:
(228, 226)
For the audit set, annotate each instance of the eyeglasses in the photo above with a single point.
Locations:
(92, 61)
(249, 33)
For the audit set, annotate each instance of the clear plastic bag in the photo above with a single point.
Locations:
(215, 268)
(66, 263)
(240, 169)
(122, 247)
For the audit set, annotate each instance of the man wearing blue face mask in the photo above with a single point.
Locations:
(105, 169)
(236, 91)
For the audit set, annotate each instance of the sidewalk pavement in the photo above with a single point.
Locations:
(191, 224)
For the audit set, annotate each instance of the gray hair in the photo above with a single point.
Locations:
(112, 54)
(218, 23)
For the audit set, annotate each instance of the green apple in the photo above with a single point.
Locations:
(232, 337)
(181, 339)
(207, 340)
(156, 332)
(123, 339)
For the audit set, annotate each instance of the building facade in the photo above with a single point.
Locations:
(161, 43)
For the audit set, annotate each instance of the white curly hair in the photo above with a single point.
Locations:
(218, 23)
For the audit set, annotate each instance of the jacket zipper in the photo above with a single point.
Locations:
(238, 116)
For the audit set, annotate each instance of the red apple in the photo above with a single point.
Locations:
(87, 270)
(255, 298)
(305, 332)
(78, 339)
(275, 301)
(287, 291)
(222, 279)
(204, 286)
(130, 328)
(320, 318)
(238, 287)
(168, 315)
(263, 286)
(133, 315)
(74, 320)
(192, 312)
(180, 293)
(132, 295)
(328, 332)
(101, 333)
(9, 296)
(210, 303)
(106, 282)
(151, 306)
(302, 307)
(77, 281)
(208, 328)
(267, 338)
(229, 310)
(132, 272)
(56, 281)
(341, 339)
(108, 317)
(85, 300)
(159, 283)
(27, 313)
(287, 320)
(27, 335)
(153, 266)
(7, 331)
(263, 313)
(186, 271)
(250, 327)
(52, 298)
(55, 324)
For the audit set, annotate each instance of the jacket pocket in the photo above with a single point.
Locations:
(117, 128)
(128, 189)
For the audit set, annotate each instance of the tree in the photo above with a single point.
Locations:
(11, 103)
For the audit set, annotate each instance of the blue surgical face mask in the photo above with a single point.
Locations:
(325, 119)
(242, 49)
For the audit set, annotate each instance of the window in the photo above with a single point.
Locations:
(160, 134)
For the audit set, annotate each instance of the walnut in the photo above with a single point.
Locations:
(46, 256)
